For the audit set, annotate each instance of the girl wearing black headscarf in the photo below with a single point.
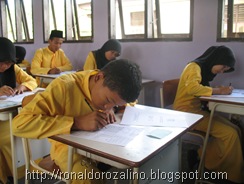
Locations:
(99, 58)
(13, 81)
(224, 152)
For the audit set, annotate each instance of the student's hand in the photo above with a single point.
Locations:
(223, 90)
(111, 116)
(90, 122)
(54, 71)
(7, 90)
(20, 89)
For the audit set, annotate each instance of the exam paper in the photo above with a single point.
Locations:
(235, 93)
(111, 134)
(16, 98)
(152, 116)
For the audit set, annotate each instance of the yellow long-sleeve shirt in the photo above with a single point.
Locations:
(189, 89)
(43, 59)
(24, 79)
(90, 63)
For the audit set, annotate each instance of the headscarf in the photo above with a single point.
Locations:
(214, 55)
(7, 53)
(99, 54)
(20, 54)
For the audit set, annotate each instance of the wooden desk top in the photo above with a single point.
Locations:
(137, 152)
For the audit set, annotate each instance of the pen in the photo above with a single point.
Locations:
(89, 104)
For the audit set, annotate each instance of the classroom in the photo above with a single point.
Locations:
(160, 56)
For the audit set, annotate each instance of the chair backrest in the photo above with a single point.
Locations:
(168, 91)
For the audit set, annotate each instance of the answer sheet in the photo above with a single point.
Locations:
(111, 134)
(152, 116)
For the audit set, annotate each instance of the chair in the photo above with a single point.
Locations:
(46, 165)
(168, 91)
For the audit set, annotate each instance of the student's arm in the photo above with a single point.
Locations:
(65, 64)
(41, 117)
(90, 63)
(192, 78)
(22, 78)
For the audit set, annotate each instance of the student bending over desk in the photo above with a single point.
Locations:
(51, 59)
(224, 153)
(80, 101)
(99, 58)
(10, 73)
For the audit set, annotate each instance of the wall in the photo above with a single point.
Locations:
(158, 60)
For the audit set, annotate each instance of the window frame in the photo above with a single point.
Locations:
(69, 22)
(20, 20)
(148, 32)
(230, 14)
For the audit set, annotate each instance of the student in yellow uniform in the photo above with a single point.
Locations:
(97, 59)
(224, 153)
(10, 74)
(51, 59)
(80, 101)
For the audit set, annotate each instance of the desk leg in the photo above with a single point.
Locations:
(70, 161)
(41, 81)
(135, 175)
(14, 165)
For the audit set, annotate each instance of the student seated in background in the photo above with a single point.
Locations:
(224, 152)
(51, 59)
(10, 74)
(99, 58)
(80, 101)
(20, 57)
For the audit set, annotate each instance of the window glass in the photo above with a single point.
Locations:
(18, 17)
(231, 20)
(175, 16)
(154, 19)
(73, 17)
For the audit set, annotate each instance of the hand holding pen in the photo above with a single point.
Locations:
(7, 90)
(90, 122)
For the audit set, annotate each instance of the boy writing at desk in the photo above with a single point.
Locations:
(80, 101)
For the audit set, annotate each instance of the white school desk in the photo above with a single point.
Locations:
(10, 107)
(232, 105)
(142, 152)
(47, 78)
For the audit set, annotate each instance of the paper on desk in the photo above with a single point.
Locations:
(16, 98)
(111, 134)
(235, 93)
(152, 116)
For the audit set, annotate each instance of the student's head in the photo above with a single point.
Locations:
(119, 82)
(218, 59)
(112, 49)
(55, 40)
(7, 54)
(20, 54)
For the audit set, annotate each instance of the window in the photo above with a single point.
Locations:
(231, 20)
(17, 20)
(73, 17)
(151, 19)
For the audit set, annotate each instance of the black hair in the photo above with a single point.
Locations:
(124, 77)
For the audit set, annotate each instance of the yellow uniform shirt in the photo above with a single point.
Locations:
(90, 63)
(189, 89)
(44, 59)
